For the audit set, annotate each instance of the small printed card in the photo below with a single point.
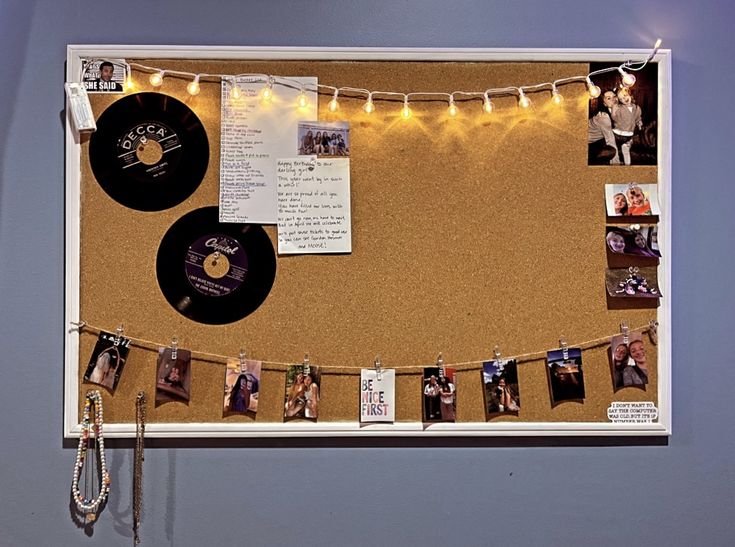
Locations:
(440, 394)
(500, 379)
(302, 392)
(108, 360)
(377, 395)
(173, 377)
(565, 375)
(242, 383)
(104, 75)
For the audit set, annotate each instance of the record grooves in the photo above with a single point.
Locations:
(212, 272)
(150, 151)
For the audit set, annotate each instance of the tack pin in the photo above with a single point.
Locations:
(564, 348)
(174, 348)
(118, 334)
(625, 332)
(378, 368)
(653, 331)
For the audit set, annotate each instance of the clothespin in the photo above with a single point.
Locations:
(306, 363)
(440, 364)
(498, 357)
(625, 332)
(653, 331)
(174, 348)
(119, 331)
(564, 348)
(378, 368)
(243, 356)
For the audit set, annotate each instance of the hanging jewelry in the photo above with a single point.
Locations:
(140, 404)
(634, 284)
(87, 505)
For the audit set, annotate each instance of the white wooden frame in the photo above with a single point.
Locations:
(75, 54)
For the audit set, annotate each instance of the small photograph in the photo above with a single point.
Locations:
(631, 200)
(324, 139)
(500, 380)
(440, 394)
(632, 282)
(302, 392)
(107, 361)
(642, 241)
(565, 375)
(628, 361)
(173, 376)
(104, 75)
(242, 383)
(623, 124)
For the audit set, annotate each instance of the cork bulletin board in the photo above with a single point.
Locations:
(467, 233)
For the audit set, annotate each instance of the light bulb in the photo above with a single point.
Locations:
(267, 94)
(523, 101)
(193, 86)
(452, 110)
(628, 78)
(658, 44)
(129, 84)
(405, 111)
(592, 89)
(487, 105)
(333, 105)
(236, 92)
(369, 107)
(302, 101)
(156, 79)
(556, 97)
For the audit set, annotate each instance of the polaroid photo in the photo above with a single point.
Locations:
(632, 200)
(108, 360)
(302, 393)
(628, 362)
(173, 376)
(632, 282)
(500, 381)
(566, 380)
(641, 241)
(104, 75)
(623, 120)
(440, 394)
(242, 383)
(324, 139)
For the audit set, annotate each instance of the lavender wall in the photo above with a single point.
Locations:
(472, 493)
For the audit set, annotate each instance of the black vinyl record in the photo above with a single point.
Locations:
(150, 151)
(212, 272)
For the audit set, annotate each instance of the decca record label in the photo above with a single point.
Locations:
(216, 265)
(145, 147)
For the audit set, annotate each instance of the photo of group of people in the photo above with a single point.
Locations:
(440, 395)
(108, 360)
(628, 361)
(104, 75)
(302, 392)
(242, 383)
(173, 378)
(324, 139)
(565, 375)
(631, 199)
(500, 381)
(639, 242)
(622, 124)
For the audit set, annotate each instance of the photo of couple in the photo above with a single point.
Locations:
(302, 392)
(639, 242)
(440, 395)
(632, 199)
(628, 362)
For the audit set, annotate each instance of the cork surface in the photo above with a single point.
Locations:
(467, 232)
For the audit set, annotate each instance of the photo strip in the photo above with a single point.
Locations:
(104, 75)
(302, 392)
(324, 139)
(628, 361)
(242, 384)
(623, 121)
(642, 241)
(500, 381)
(566, 379)
(632, 282)
(631, 200)
(173, 378)
(108, 360)
(440, 394)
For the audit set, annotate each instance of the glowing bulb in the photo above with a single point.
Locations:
(193, 87)
(405, 111)
(628, 78)
(267, 94)
(129, 84)
(658, 44)
(556, 97)
(302, 100)
(452, 110)
(369, 107)
(333, 104)
(592, 89)
(523, 101)
(236, 92)
(156, 79)
(487, 105)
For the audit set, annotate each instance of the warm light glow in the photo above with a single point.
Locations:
(193, 87)
(369, 107)
(523, 101)
(405, 111)
(267, 94)
(156, 79)
(556, 97)
(129, 84)
(628, 78)
(236, 92)
(487, 105)
(592, 89)
(452, 110)
(302, 100)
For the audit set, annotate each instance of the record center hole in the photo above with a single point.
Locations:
(149, 152)
(216, 265)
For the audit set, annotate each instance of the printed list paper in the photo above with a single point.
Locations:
(254, 134)
(314, 206)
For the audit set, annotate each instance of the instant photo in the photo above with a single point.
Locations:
(324, 139)
(242, 384)
(173, 376)
(302, 393)
(107, 361)
(632, 200)
(623, 121)
(628, 362)
(440, 394)
(500, 383)
(632, 282)
(566, 380)
(104, 75)
(641, 241)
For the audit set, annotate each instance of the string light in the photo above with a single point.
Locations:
(592, 89)
(556, 97)
(193, 87)
(156, 79)
(267, 94)
(235, 90)
(302, 100)
(523, 101)
(452, 110)
(487, 104)
(129, 84)
(406, 110)
(628, 78)
(369, 107)
(333, 104)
